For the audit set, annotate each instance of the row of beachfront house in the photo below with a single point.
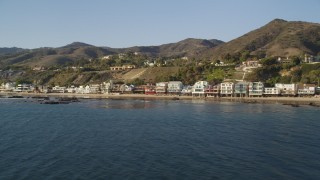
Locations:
(27, 88)
(199, 89)
(231, 89)
(254, 89)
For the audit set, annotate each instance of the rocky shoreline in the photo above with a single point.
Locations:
(292, 101)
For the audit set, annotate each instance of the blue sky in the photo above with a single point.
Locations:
(125, 23)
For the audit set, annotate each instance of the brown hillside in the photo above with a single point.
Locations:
(149, 74)
(78, 51)
(189, 47)
(277, 38)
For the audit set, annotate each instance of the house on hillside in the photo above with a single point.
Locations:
(308, 58)
(286, 60)
(316, 59)
(311, 59)
(120, 68)
(249, 65)
(121, 55)
(38, 68)
(222, 64)
(106, 57)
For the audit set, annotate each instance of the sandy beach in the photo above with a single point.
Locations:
(284, 100)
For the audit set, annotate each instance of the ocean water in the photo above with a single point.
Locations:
(158, 139)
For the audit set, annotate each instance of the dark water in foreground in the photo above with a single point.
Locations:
(136, 139)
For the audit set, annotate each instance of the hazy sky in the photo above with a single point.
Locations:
(125, 23)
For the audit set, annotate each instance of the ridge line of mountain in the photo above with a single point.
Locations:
(277, 38)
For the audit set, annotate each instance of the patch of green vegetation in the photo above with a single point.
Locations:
(298, 73)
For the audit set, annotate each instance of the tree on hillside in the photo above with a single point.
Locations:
(138, 82)
(269, 61)
(265, 73)
(261, 54)
(296, 61)
(315, 76)
(295, 76)
(22, 80)
(285, 79)
(244, 55)
(216, 76)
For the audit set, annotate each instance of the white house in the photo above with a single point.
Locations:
(287, 89)
(226, 89)
(150, 63)
(198, 88)
(187, 90)
(124, 67)
(126, 88)
(71, 89)
(161, 87)
(58, 89)
(248, 65)
(284, 60)
(121, 55)
(256, 88)
(106, 57)
(38, 68)
(306, 89)
(107, 87)
(80, 90)
(94, 88)
(23, 88)
(175, 87)
(271, 91)
(10, 86)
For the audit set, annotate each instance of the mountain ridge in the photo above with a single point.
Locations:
(276, 38)
(76, 51)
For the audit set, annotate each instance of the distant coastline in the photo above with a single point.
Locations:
(313, 101)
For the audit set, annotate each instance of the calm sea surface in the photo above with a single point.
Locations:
(137, 139)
